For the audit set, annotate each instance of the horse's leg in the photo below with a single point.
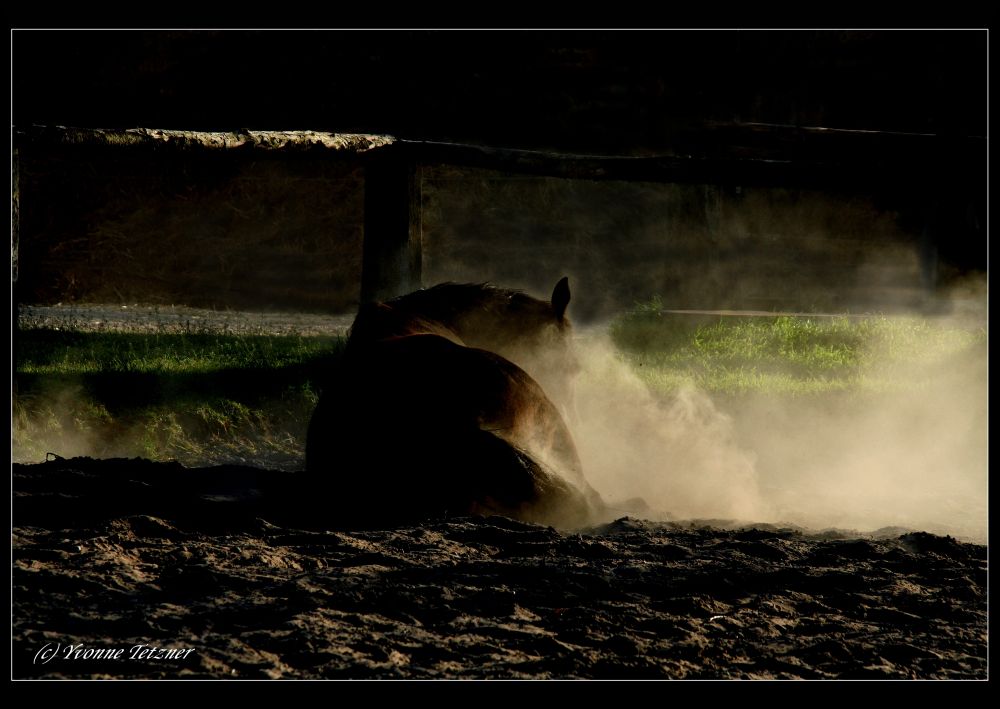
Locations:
(529, 420)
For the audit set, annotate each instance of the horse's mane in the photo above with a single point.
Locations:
(448, 301)
(440, 310)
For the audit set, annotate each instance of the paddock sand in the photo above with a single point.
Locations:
(115, 554)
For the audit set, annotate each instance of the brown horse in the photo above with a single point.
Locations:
(430, 415)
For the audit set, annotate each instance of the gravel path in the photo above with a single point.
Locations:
(177, 319)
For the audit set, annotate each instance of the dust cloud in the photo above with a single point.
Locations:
(50, 422)
(913, 457)
(679, 456)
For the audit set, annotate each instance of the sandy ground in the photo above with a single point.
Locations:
(229, 564)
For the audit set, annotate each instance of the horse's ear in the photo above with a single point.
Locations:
(560, 297)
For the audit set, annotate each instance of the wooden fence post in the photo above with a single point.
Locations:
(392, 258)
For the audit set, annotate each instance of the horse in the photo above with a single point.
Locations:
(435, 411)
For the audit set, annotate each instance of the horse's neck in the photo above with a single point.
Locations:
(473, 323)
(481, 333)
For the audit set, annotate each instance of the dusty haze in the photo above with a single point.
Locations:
(914, 458)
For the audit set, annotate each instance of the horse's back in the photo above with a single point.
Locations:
(420, 426)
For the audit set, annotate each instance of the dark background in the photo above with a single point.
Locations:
(605, 91)
(255, 233)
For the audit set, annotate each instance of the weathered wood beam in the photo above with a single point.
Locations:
(866, 172)
(287, 141)
(748, 155)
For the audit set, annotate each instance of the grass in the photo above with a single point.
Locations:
(788, 355)
(197, 398)
(53, 352)
(211, 399)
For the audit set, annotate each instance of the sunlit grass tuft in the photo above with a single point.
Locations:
(787, 355)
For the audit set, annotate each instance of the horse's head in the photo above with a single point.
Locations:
(554, 358)
(537, 336)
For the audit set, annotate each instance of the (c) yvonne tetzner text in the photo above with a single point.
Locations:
(139, 651)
